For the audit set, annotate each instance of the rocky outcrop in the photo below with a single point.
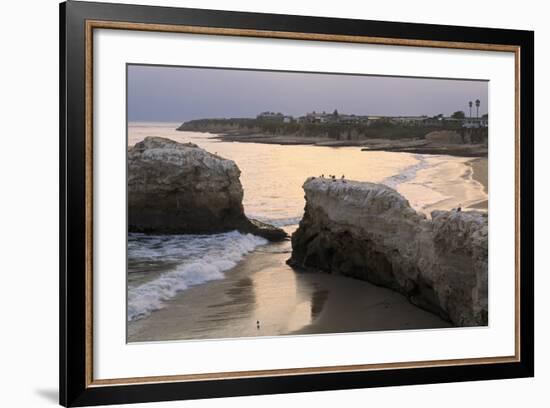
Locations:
(449, 142)
(444, 137)
(370, 232)
(181, 188)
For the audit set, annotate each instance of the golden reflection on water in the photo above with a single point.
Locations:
(272, 175)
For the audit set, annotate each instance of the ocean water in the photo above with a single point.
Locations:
(159, 267)
(408, 173)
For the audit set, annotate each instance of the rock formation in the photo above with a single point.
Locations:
(181, 188)
(444, 137)
(370, 232)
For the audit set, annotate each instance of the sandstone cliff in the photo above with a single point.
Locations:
(370, 232)
(181, 188)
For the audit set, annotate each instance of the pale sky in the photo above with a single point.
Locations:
(178, 94)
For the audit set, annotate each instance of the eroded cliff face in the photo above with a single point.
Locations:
(180, 188)
(370, 232)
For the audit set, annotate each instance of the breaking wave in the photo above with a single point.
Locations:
(278, 222)
(407, 174)
(160, 266)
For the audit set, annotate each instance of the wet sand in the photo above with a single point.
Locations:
(262, 288)
(353, 306)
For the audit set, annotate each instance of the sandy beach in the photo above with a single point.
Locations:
(480, 173)
(448, 184)
(262, 288)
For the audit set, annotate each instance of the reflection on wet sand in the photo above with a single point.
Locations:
(317, 302)
(272, 301)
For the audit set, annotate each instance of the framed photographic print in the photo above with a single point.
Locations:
(256, 203)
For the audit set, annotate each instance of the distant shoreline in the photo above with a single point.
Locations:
(397, 146)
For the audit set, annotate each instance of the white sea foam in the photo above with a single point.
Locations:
(179, 262)
(407, 174)
(278, 222)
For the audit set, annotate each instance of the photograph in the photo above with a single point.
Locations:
(273, 203)
(261, 202)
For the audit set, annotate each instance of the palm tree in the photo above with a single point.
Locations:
(477, 107)
(470, 105)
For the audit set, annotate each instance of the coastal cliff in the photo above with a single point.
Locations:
(247, 129)
(370, 232)
(383, 136)
(458, 142)
(180, 188)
